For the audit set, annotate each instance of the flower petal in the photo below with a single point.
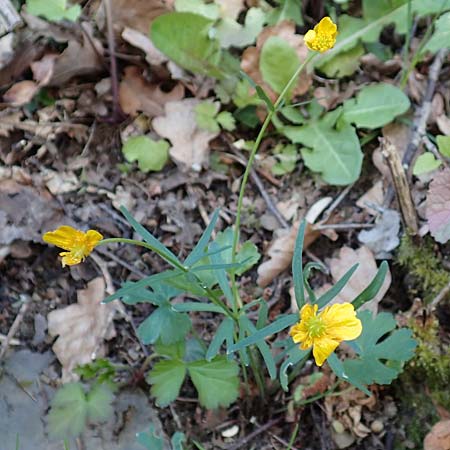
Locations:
(70, 259)
(323, 348)
(341, 322)
(92, 238)
(307, 312)
(64, 237)
(309, 38)
(326, 26)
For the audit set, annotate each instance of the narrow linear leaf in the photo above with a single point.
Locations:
(372, 289)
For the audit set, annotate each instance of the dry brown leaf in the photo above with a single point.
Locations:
(44, 68)
(60, 182)
(78, 59)
(374, 196)
(139, 40)
(281, 252)
(443, 123)
(438, 206)
(21, 93)
(190, 145)
(250, 58)
(82, 328)
(439, 437)
(363, 275)
(137, 94)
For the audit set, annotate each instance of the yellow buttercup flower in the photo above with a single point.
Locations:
(77, 243)
(323, 37)
(326, 330)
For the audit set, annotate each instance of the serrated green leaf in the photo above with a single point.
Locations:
(425, 163)
(443, 143)
(151, 155)
(184, 38)
(166, 379)
(68, 413)
(375, 106)
(164, 324)
(278, 62)
(99, 403)
(216, 381)
(226, 120)
(374, 349)
(334, 153)
(54, 10)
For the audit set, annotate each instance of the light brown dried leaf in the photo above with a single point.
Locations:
(139, 40)
(363, 275)
(250, 58)
(443, 123)
(439, 437)
(137, 94)
(82, 328)
(190, 145)
(21, 93)
(438, 206)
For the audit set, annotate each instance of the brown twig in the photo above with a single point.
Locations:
(400, 181)
(14, 327)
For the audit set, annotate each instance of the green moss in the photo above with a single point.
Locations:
(428, 275)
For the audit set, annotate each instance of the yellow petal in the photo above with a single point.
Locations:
(299, 334)
(307, 312)
(309, 38)
(70, 259)
(341, 322)
(64, 237)
(326, 26)
(323, 348)
(92, 238)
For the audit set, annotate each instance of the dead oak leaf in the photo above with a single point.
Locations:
(82, 328)
(190, 144)
(438, 206)
(250, 58)
(439, 437)
(137, 94)
(361, 278)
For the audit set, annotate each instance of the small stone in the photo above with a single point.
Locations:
(230, 432)
(377, 426)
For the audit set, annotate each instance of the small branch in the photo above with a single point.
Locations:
(407, 209)
(343, 226)
(14, 327)
(443, 294)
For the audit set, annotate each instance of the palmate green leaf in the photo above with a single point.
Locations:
(99, 403)
(69, 411)
(53, 9)
(164, 324)
(166, 379)
(278, 62)
(184, 38)
(425, 163)
(375, 106)
(217, 381)
(334, 153)
(151, 155)
(379, 358)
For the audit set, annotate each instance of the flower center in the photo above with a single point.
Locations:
(324, 42)
(315, 327)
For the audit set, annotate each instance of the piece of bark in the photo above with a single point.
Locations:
(9, 18)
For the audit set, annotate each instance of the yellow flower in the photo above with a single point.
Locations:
(326, 330)
(323, 37)
(77, 243)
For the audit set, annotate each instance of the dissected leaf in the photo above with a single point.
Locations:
(375, 106)
(164, 324)
(166, 379)
(68, 413)
(184, 38)
(425, 163)
(205, 113)
(438, 206)
(377, 353)
(151, 155)
(82, 327)
(190, 144)
(217, 381)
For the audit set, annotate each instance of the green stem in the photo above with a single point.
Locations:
(251, 158)
(170, 260)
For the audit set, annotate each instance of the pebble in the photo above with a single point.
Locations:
(377, 426)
